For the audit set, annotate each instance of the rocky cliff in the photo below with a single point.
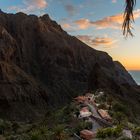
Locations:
(42, 66)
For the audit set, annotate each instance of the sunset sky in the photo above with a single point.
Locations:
(95, 22)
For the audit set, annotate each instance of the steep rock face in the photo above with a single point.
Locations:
(41, 65)
(123, 74)
(19, 94)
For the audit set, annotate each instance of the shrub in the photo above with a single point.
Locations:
(124, 138)
(117, 131)
(109, 132)
(102, 106)
(119, 117)
(101, 99)
(15, 127)
(82, 125)
(43, 129)
(104, 133)
(137, 131)
(109, 101)
(118, 107)
(35, 135)
(88, 125)
(5, 126)
(59, 132)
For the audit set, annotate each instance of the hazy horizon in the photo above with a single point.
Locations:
(136, 75)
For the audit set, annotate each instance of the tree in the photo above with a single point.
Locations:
(119, 117)
(110, 101)
(128, 17)
(15, 127)
(59, 132)
(109, 132)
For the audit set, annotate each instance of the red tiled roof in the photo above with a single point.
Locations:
(104, 114)
(80, 98)
(86, 134)
(85, 109)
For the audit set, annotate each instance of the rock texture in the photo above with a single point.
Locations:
(42, 66)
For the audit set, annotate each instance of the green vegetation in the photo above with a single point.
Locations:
(119, 117)
(37, 131)
(58, 124)
(62, 123)
(102, 106)
(136, 132)
(118, 107)
(109, 132)
(81, 125)
(124, 138)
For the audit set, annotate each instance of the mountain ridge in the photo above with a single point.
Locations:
(47, 67)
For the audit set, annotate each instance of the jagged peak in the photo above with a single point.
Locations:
(21, 14)
(45, 17)
(1, 11)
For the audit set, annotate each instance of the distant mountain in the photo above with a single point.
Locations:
(41, 66)
(136, 75)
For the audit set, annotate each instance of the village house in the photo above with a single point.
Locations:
(104, 114)
(96, 104)
(84, 112)
(80, 99)
(87, 134)
(89, 96)
(99, 94)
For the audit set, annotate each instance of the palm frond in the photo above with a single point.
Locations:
(128, 17)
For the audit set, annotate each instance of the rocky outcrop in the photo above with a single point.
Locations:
(42, 66)
(123, 74)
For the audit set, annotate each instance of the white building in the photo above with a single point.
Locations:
(84, 112)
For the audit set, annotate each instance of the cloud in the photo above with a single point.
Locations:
(83, 23)
(114, 22)
(66, 25)
(114, 1)
(41, 4)
(69, 27)
(29, 6)
(97, 41)
(71, 9)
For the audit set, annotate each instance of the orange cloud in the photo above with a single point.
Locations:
(114, 1)
(30, 6)
(106, 41)
(36, 3)
(114, 22)
(83, 23)
(66, 25)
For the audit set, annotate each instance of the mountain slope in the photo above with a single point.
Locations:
(42, 66)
